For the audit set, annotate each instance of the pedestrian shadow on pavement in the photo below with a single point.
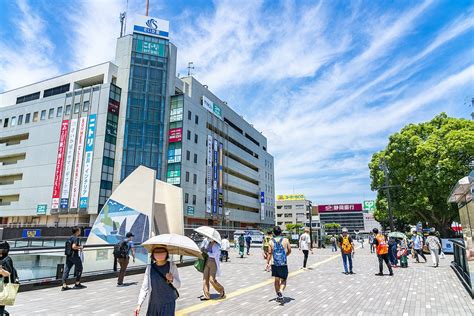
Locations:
(213, 297)
(129, 283)
(286, 300)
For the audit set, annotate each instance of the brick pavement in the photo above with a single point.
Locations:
(322, 290)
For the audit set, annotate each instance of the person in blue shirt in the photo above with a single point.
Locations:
(124, 261)
(417, 244)
(248, 241)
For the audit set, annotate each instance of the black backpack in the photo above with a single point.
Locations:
(121, 249)
(68, 248)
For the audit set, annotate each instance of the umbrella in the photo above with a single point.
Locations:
(175, 244)
(397, 235)
(210, 233)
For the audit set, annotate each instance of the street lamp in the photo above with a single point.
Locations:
(384, 168)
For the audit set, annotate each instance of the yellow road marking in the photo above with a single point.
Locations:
(195, 308)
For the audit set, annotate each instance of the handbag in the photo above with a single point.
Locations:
(201, 263)
(8, 292)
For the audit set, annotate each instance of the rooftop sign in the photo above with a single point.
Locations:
(340, 208)
(291, 197)
(151, 26)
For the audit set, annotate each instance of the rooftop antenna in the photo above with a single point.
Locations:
(122, 20)
(147, 5)
(190, 66)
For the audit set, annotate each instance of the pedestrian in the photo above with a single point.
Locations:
(248, 241)
(225, 246)
(72, 249)
(265, 247)
(371, 243)
(417, 244)
(122, 252)
(334, 244)
(435, 247)
(347, 250)
(403, 251)
(161, 281)
(241, 245)
(279, 250)
(392, 251)
(305, 245)
(381, 245)
(7, 271)
(212, 270)
(441, 253)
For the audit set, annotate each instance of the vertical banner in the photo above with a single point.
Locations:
(58, 174)
(71, 142)
(221, 178)
(209, 174)
(76, 180)
(214, 180)
(86, 175)
(262, 205)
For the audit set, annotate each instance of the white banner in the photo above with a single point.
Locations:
(71, 142)
(209, 174)
(86, 175)
(76, 181)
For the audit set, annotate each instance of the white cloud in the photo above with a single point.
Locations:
(31, 57)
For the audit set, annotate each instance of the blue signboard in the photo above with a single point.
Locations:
(28, 233)
(86, 175)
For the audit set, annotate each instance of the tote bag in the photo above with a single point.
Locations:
(8, 292)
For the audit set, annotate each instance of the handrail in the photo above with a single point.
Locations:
(459, 242)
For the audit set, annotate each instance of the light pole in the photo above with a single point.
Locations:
(384, 168)
(310, 209)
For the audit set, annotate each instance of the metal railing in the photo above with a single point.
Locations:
(461, 266)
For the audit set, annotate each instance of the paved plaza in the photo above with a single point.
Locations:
(321, 290)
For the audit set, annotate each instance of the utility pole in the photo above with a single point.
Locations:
(384, 168)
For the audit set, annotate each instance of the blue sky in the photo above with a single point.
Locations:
(327, 82)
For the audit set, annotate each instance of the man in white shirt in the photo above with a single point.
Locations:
(225, 246)
(305, 245)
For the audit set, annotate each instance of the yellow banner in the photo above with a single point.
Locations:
(290, 197)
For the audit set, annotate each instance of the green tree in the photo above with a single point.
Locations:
(424, 161)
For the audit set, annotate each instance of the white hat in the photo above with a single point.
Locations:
(344, 230)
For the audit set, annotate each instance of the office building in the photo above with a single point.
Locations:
(67, 142)
(350, 216)
(292, 209)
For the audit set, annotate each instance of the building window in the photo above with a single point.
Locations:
(195, 158)
(20, 119)
(51, 113)
(13, 121)
(59, 111)
(189, 135)
(188, 155)
(43, 115)
(189, 115)
(186, 198)
(77, 107)
(195, 177)
(187, 176)
(196, 138)
(85, 106)
(27, 118)
(194, 199)
(68, 109)
(5, 123)
(287, 207)
(196, 119)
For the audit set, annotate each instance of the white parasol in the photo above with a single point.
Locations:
(209, 232)
(175, 244)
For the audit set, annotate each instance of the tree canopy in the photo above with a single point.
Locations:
(423, 162)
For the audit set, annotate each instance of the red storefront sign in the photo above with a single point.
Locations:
(114, 106)
(340, 208)
(175, 135)
(58, 174)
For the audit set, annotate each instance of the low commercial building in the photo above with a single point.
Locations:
(350, 216)
(292, 209)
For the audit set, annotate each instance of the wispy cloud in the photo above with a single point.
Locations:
(30, 57)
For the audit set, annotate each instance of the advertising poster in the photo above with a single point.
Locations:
(262, 205)
(71, 142)
(175, 135)
(76, 179)
(214, 180)
(58, 173)
(86, 175)
(209, 174)
(221, 178)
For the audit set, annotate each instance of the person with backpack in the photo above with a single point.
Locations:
(122, 251)
(371, 243)
(161, 281)
(435, 247)
(305, 246)
(278, 251)
(7, 271)
(225, 247)
(381, 247)
(417, 244)
(73, 258)
(241, 245)
(347, 250)
(248, 241)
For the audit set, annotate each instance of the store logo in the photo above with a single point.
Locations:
(152, 23)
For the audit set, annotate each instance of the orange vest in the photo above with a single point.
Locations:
(382, 247)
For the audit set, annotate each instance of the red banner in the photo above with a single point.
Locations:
(58, 174)
(175, 135)
(340, 208)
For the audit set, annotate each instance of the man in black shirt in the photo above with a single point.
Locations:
(73, 259)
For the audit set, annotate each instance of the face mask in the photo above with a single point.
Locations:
(160, 256)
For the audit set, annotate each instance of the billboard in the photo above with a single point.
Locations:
(71, 142)
(58, 173)
(175, 135)
(151, 26)
(221, 178)
(209, 175)
(340, 208)
(212, 107)
(214, 179)
(290, 197)
(86, 175)
(262, 205)
(369, 206)
(76, 177)
(147, 47)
